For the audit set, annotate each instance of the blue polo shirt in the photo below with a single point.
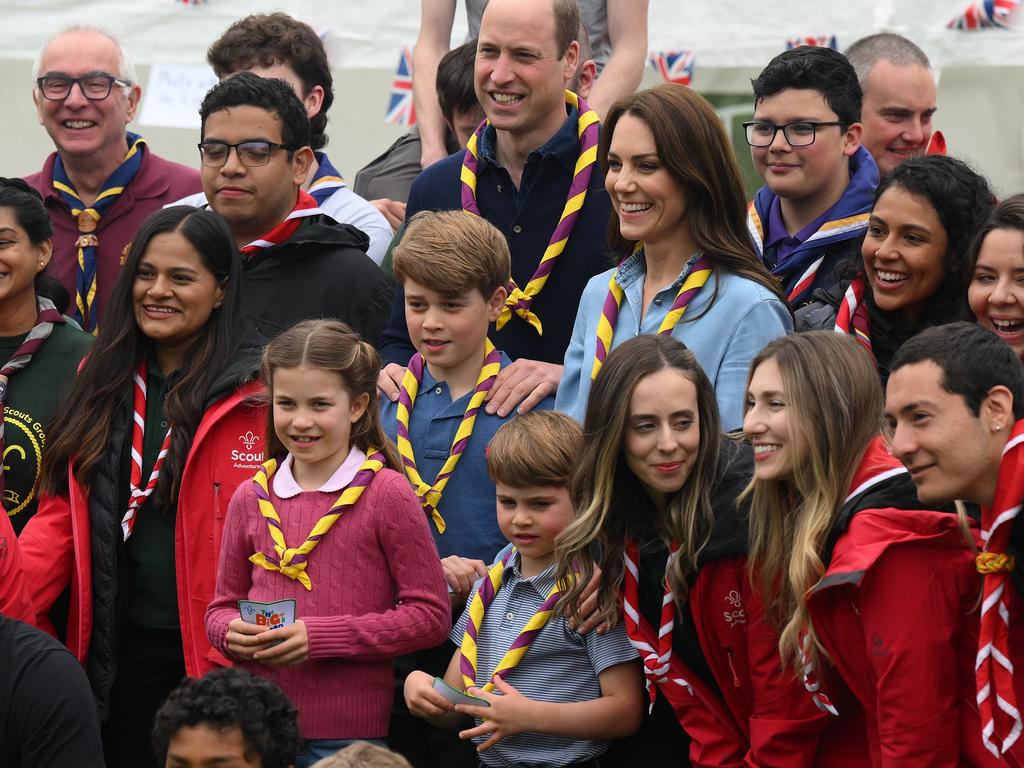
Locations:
(467, 504)
(527, 217)
(560, 666)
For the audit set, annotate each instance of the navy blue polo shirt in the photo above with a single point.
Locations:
(527, 217)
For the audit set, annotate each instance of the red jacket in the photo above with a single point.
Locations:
(897, 612)
(226, 450)
(15, 598)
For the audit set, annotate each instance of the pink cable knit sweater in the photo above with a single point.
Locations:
(378, 592)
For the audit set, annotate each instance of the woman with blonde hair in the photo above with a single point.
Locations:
(686, 266)
(874, 596)
(655, 490)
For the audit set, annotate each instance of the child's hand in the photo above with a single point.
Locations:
(243, 639)
(461, 573)
(422, 699)
(508, 714)
(294, 648)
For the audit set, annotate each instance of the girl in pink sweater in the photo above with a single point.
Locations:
(332, 523)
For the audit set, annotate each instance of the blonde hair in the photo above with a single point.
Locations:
(834, 410)
(363, 754)
(608, 495)
(453, 253)
(535, 449)
(330, 345)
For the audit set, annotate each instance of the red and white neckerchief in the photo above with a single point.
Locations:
(305, 206)
(852, 317)
(994, 667)
(806, 279)
(657, 661)
(811, 681)
(137, 495)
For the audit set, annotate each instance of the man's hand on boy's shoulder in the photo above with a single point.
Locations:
(509, 713)
(389, 380)
(523, 385)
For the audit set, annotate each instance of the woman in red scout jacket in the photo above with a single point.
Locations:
(156, 433)
(656, 489)
(874, 593)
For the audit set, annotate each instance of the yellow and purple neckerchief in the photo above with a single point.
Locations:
(292, 561)
(697, 275)
(86, 311)
(481, 601)
(520, 301)
(430, 495)
(326, 181)
(852, 316)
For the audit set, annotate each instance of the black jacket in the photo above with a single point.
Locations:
(320, 271)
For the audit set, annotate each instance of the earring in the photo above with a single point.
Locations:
(998, 427)
(218, 305)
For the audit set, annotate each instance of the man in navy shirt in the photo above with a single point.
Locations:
(527, 52)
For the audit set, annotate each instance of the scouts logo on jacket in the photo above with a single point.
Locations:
(734, 613)
(251, 458)
(23, 451)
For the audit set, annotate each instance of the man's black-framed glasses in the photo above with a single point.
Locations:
(95, 87)
(251, 154)
(799, 134)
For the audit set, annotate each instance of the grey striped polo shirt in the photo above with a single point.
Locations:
(560, 666)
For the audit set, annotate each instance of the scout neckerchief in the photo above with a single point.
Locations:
(994, 667)
(292, 561)
(137, 494)
(849, 219)
(519, 300)
(48, 317)
(657, 661)
(430, 495)
(475, 619)
(326, 181)
(304, 206)
(88, 218)
(697, 274)
(810, 677)
(852, 316)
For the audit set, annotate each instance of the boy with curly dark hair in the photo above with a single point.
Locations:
(228, 717)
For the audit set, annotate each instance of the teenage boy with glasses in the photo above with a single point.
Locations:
(298, 263)
(102, 181)
(805, 140)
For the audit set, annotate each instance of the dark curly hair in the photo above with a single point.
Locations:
(277, 97)
(817, 69)
(266, 39)
(233, 698)
(962, 200)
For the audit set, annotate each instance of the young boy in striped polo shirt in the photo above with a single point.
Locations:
(550, 696)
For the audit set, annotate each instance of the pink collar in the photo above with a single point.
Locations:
(285, 486)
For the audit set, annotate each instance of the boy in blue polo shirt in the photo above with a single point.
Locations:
(805, 140)
(567, 694)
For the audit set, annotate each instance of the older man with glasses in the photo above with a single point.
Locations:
(102, 181)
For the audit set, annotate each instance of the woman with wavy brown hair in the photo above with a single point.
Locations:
(686, 266)
(873, 594)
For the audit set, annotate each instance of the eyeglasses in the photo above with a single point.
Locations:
(251, 154)
(760, 134)
(95, 87)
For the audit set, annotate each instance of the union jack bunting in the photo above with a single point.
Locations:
(985, 14)
(674, 66)
(822, 41)
(401, 107)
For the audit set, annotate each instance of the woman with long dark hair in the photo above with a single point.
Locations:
(155, 434)
(39, 349)
(678, 232)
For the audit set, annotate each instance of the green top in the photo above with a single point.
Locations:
(153, 587)
(33, 395)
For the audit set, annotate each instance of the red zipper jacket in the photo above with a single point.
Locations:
(226, 450)
(897, 612)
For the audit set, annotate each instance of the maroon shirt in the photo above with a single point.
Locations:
(157, 183)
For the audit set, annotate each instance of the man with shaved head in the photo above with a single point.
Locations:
(102, 181)
(899, 97)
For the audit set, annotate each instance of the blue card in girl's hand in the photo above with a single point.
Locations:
(455, 696)
(269, 615)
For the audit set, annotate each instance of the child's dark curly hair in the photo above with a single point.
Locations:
(233, 698)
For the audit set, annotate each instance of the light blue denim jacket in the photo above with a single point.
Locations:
(743, 319)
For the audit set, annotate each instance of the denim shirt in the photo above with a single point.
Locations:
(468, 501)
(725, 338)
